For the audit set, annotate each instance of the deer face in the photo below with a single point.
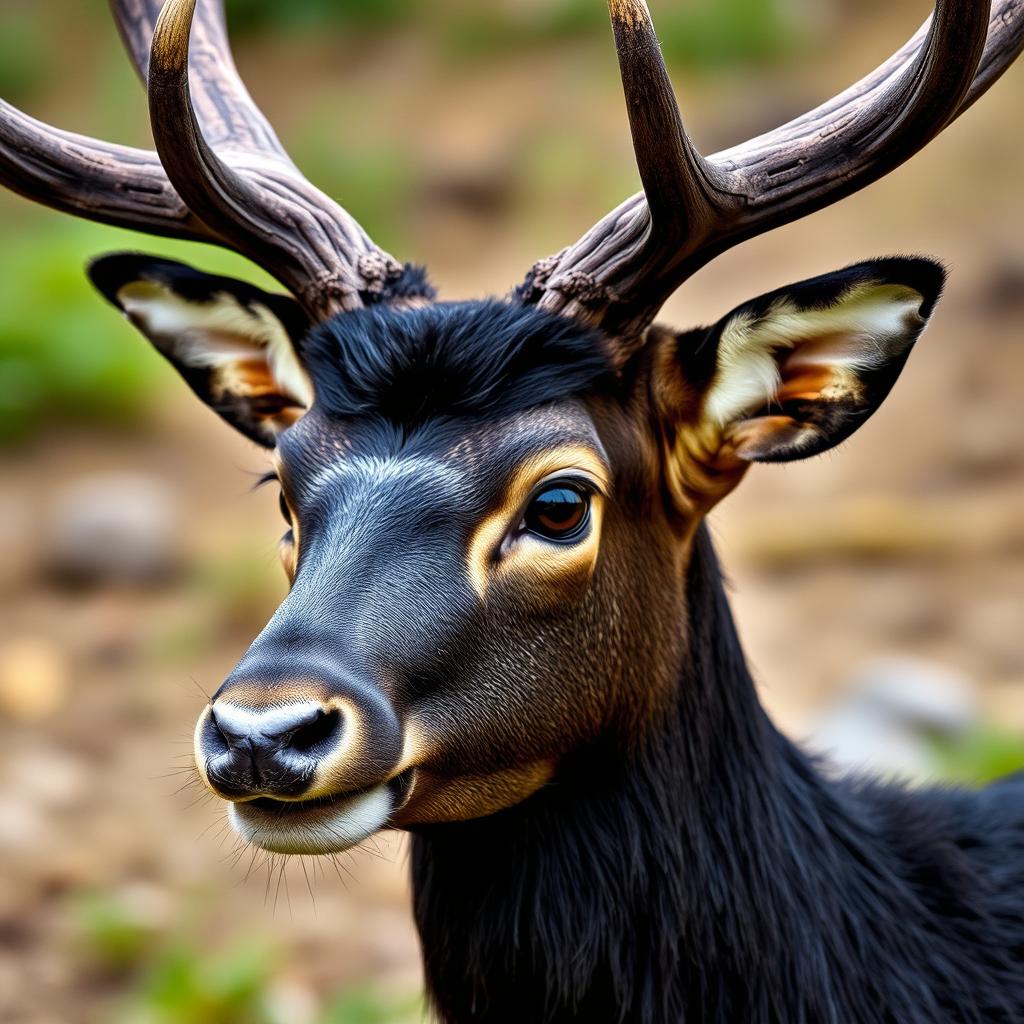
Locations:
(447, 579)
(489, 512)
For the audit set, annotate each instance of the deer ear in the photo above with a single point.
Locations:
(233, 343)
(795, 372)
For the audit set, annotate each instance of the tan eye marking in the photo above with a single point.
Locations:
(288, 551)
(549, 522)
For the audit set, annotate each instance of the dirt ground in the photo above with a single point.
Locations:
(908, 540)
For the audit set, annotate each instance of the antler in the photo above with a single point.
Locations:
(101, 181)
(694, 207)
(259, 201)
(249, 196)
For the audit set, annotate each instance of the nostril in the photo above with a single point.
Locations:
(316, 736)
(214, 740)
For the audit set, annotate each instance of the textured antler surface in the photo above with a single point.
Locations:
(98, 180)
(692, 207)
(226, 112)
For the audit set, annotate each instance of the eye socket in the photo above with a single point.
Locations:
(559, 512)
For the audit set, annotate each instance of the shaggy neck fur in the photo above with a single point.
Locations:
(713, 875)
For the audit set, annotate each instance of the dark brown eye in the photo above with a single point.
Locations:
(559, 512)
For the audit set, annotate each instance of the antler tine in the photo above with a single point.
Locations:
(1004, 45)
(805, 168)
(681, 187)
(624, 268)
(224, 108)
(259, 202)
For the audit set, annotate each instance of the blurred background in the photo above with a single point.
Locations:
(879, 589)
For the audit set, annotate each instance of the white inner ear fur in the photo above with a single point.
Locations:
(870, 324)
(216, 334)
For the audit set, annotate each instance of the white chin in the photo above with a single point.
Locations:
(328, 828)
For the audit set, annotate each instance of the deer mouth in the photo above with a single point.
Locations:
(325, 824)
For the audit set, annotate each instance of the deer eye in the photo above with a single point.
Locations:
(559, 512)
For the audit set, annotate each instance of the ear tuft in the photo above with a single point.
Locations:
(234, 344)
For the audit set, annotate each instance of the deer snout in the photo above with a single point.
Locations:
(272, 752)
(308, 767)
(290, 742)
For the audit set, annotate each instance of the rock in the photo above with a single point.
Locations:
(1002, 294)
(892, 708)
(119, 527)
(22, 824)
(290, 1002)
(48, 777)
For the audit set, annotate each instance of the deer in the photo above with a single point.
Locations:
(506, 631)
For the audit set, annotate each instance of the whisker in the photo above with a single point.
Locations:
(199, 686)
(270, 875)
(277, 889)
(256, 851)
(309, 885)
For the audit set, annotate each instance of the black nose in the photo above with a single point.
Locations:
(269, 752)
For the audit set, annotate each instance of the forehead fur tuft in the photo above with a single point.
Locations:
(451, 359)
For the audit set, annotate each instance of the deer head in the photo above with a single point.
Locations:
(490, 506)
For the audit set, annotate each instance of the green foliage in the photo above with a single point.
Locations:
(65, 355)
(62, 355)
(115, 935)
(184, 638)
(983, 755)
(167, 974)
(727, 33)
(482, 30)
(257, 15)
(183, 985)
(366, 1006)
(23, 63)
(701, 33)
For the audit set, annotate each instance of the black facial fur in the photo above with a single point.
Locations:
(451, 359)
